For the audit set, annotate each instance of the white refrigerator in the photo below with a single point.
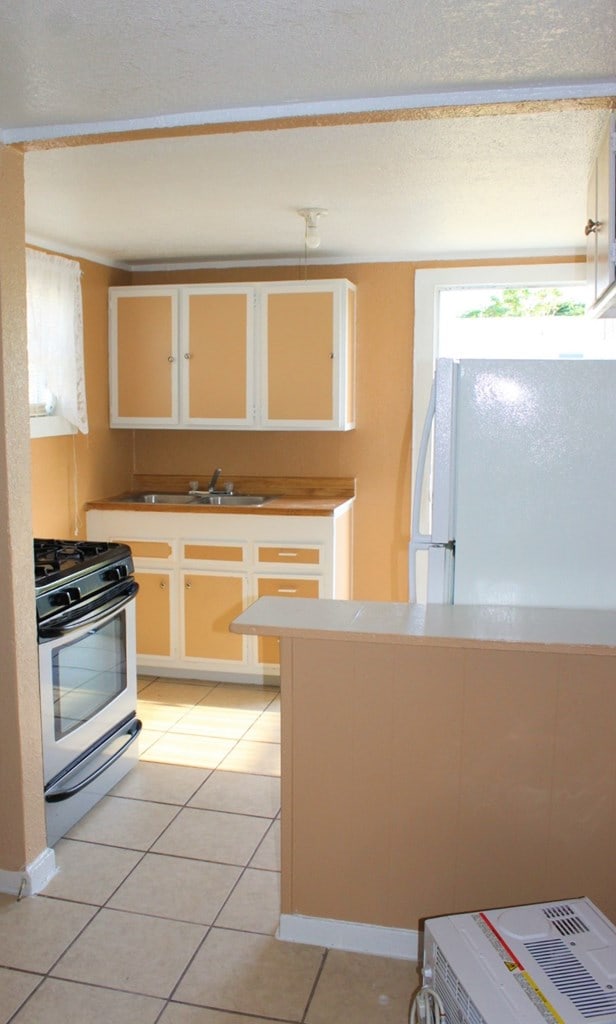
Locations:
(514, 498)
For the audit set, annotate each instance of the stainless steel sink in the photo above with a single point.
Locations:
(158, 498)
(163, 499)
(234, 499)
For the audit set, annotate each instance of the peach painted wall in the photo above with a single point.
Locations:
(376, 452)
(67, 471)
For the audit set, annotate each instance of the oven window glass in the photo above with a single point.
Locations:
(88, 673)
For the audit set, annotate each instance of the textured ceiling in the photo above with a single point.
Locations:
(87, 61)
(407, 189)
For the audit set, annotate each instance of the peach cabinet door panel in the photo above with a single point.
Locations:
(211, 601)
(279, 586)
(146, 356)
(217, 358)
(153, 614)
(300, 351)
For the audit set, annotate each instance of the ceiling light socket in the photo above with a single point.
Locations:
(311, 216)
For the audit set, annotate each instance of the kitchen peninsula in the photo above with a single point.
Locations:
(439, 759)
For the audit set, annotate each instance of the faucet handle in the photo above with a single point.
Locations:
(193, 485)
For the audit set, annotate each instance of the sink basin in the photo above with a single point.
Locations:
(158, 498)
(234, 499)
(163, 499)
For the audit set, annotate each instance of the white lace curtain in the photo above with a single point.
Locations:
(55, 337)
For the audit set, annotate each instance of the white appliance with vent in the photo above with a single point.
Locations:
(550, 963)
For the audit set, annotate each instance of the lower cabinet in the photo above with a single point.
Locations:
(154, 613)
(210, 602)
(197, 572)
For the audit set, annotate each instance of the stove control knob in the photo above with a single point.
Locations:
(115, 574)
(65, 598)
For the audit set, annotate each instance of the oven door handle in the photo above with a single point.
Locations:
(53, 630)
(55, 794)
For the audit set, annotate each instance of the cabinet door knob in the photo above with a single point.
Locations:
(188, 584)
(162, 585)
(171, 359)
(592, 227)
(188, 355)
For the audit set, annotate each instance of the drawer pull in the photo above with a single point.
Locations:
(287, 590)
(287, 554)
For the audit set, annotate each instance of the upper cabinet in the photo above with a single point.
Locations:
(263, 356)
(601, 226)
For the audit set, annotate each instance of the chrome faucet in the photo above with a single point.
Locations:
(214, 480)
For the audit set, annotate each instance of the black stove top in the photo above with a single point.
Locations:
(67, 572)
(56, 560)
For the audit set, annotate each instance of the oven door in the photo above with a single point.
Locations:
(88, 677)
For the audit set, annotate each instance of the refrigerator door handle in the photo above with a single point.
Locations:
(417, 537)
(420, 541)
(439, 414)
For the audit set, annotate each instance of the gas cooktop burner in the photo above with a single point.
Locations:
(68, 571)
(59, 556)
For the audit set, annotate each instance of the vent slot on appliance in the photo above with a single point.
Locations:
(459, 1007)
(565, 920)
(571, 978)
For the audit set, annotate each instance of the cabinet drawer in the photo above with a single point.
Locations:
(212, 552)
(161, 550)
(289, 555)
(276, 586)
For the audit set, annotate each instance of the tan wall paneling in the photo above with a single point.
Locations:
(452, 779)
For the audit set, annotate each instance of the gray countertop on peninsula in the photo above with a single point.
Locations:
(435, 625)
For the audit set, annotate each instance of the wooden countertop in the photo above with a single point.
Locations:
(294, 496)
(496, 626)
(284, 506)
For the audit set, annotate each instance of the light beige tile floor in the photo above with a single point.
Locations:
(165, 906)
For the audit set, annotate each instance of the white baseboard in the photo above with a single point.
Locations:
(348, 935)
(34, 877)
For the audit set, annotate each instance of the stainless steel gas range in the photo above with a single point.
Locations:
(85, 609)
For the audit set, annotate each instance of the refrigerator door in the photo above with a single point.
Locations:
(535, 483)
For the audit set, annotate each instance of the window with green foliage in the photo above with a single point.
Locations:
(521, 321)
(528, 302)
